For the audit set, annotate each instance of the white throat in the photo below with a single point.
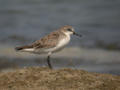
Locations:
(67, 34)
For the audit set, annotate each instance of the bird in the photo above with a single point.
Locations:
(51, 43)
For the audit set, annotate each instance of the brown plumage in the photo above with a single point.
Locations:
(23, 47)
(49, 41)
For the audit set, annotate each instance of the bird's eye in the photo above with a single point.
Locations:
(69, 29)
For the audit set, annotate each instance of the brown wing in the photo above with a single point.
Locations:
(23, 47)
(48, 41)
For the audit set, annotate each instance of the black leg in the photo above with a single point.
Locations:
(48, 61)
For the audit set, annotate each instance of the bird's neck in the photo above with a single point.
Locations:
(67, 34)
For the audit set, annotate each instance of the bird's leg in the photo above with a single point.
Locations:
(48, 61)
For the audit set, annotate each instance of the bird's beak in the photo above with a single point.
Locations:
(74, 33)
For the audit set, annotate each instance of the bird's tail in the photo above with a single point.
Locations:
(23, 47)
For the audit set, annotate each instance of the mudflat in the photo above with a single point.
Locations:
(36, 78)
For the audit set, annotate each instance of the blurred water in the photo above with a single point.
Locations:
(93, 60)
(32, 19)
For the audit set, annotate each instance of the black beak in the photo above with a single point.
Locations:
(74, 33)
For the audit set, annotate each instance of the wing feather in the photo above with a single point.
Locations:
(48, 41)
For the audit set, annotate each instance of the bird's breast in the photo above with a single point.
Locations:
(63, 42)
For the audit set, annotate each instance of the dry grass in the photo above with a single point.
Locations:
(36, 78)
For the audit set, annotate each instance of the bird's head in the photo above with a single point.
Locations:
(69, 30)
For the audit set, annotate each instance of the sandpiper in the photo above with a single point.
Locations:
(50, 43)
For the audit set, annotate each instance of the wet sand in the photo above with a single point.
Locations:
(36, 78)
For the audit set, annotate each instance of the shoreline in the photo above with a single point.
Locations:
(93, 60)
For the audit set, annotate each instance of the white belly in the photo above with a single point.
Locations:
(62, 43)
(60, 46)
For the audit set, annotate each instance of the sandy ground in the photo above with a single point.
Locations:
(36, 78)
